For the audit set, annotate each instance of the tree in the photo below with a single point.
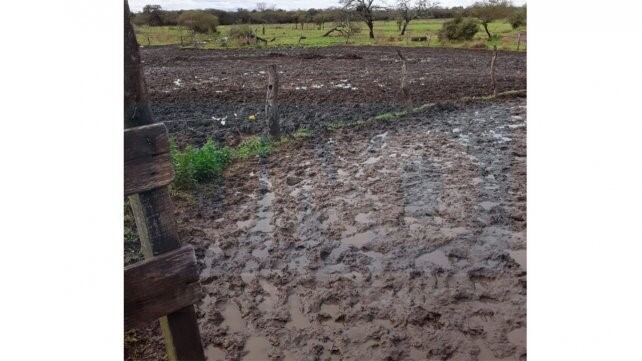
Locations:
(198, 21)
(408, 11)
(153, 15)
(345, 26)
(365, 9)
(488, 11)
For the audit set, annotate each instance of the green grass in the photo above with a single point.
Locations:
(386, 33)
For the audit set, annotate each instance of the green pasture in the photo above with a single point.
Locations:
(386, 33)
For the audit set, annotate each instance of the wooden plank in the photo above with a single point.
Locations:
(156, 226)
(160, 285)
(148, 163)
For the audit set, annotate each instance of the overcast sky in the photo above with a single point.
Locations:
(137, 5)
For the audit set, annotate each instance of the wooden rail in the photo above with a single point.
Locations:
(164, 286)
(160, 285)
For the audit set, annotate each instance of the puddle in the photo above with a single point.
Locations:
(487, 205)
(232, 317)
(520, 257)
(418, 355)
(363, 218)
(359, 239)
(213, 353)
(372, 160)
(263, 224)
(437, 257)
(297, 317)
(244, 224)
(331, 312)
(290, 356)
(257, 349)
(517, 337)
(269, 300)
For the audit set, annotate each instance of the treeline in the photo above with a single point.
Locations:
(154, 15)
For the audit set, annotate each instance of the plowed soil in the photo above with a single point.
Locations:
(192, 91)
(396, 240)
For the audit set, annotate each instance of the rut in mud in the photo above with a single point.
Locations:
(403, 240)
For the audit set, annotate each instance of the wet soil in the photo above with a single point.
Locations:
(395, 240)
(213, 93)
(403, 240)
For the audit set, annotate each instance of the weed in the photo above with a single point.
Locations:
(253, 146)
(194, 165)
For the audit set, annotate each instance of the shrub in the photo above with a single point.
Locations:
(517, 19)
(194, 165)
(241, 32)
(459, 29)
(198, 21)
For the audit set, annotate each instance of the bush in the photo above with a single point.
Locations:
(517, 19)
(241, 32)
(194, 165)
(198, 21)
(459, 29)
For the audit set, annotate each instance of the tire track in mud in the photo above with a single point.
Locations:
(389, 243)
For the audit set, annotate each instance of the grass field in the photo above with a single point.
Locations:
(386, 33)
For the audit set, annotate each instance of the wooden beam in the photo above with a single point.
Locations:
(271, 103)
(148, 163)
(156, 226)
(160, 285)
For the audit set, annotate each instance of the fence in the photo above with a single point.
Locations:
(166, 284)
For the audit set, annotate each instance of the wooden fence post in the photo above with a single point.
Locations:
(404, 78)
(519, 38)
(271, 103)
(492, 71)
(154, 211)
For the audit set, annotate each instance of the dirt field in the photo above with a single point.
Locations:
(318, 86)
(398, 240)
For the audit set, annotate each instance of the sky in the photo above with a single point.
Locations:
(137, 5)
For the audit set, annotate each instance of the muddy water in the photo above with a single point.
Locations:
(399, 241)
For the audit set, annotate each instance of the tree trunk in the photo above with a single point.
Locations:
(271, 103)
(519, 38)
(154, 211)
(492, 71)
(403, 29)
(371, 28)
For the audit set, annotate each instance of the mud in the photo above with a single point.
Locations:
(214, 93)
(395, 240)
(402, 240)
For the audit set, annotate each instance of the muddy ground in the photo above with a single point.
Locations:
(396, 240)
(193, 91)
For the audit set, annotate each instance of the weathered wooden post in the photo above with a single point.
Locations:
(271, 103)
(154, 211)
(519, 38)
(429, 38)
(492, 71)
(404, 78)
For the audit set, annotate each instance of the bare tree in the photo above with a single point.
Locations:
(365, 10)
(407, 11)
(346, 27)
(261, 6)
(488, 11)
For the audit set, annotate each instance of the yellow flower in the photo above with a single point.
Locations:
(252, 117)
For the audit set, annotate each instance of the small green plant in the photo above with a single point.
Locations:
(253, 146)
(193, 165)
